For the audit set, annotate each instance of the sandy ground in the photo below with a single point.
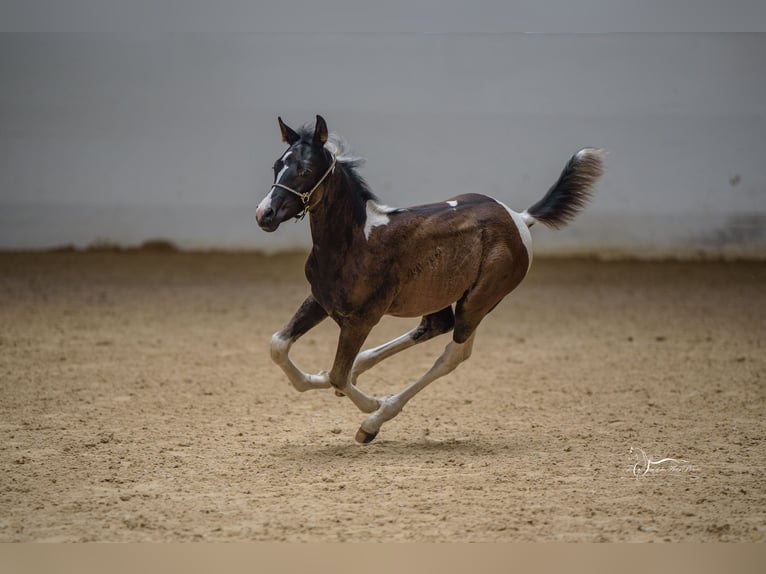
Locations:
(138, 403)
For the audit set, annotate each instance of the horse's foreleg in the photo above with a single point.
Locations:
(430, 326)
(351, 339)
(453, 355)
(309, 314)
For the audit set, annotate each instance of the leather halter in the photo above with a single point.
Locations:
(306, 197)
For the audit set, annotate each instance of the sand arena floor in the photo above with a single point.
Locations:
(138, 403)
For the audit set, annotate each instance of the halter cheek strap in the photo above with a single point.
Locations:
(306, 197)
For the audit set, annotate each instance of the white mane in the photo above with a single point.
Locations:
(339, 147)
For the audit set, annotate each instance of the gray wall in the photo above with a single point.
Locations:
(151, 133)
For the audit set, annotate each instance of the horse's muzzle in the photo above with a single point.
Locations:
(267, 222)
(266, 216)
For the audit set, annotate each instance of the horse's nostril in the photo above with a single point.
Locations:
(264, 215)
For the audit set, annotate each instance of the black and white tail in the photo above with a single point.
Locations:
(571, 192)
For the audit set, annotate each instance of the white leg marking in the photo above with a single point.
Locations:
(377, 215)
(280, 347)
(526, 236)
(371, 357)
(390, 406)
(362, 400)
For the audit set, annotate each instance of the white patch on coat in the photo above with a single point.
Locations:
(377, 215)
(527, 218)
(521, 225)
(452, 203)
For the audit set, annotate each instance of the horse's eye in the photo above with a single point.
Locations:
(305, 172)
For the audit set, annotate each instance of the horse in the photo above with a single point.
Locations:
(450, 262)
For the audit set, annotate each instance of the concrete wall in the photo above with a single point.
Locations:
(149, 133)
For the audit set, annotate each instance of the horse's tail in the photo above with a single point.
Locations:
(571, 192)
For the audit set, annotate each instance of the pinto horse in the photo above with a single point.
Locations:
(450, 263)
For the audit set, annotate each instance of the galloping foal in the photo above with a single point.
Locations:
(370, 260)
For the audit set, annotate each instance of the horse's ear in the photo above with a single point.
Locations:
(288, 134)
(320, 131)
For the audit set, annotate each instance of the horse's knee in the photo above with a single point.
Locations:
(280, 345)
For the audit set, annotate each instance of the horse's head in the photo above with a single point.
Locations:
(297, 174)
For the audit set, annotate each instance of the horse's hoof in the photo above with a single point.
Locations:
(364, 437)
(338, 393)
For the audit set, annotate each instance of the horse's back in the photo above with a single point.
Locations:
(445, 248)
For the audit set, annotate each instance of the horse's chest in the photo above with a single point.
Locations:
(342, 289)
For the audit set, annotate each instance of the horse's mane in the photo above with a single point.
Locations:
(347, 161)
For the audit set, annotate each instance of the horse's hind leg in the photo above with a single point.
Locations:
(430, 326)
(483, 296)
(454, 354)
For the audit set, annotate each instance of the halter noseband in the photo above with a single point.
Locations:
(306, 197)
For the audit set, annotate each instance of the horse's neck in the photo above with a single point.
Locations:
(333, 228)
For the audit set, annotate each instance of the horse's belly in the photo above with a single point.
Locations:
(432, 287)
